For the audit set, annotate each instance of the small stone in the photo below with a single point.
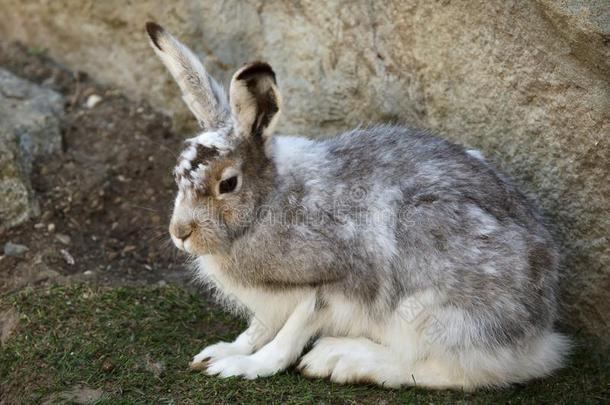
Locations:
(65, 239)
(93, 100)
(88, 272)
(51, 227)
(67, 257)
(39, 225)
(15, 249)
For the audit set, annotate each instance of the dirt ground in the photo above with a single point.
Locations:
(106, 198)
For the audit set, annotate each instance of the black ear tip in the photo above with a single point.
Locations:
(256, 69)
(154, 31)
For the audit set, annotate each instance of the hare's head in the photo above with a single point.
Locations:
(224, 173)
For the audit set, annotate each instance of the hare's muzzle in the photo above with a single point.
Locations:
(180, 232)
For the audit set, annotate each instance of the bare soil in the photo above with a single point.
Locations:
(106, 198)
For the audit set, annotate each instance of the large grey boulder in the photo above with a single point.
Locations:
(29, 129)
(527, 82)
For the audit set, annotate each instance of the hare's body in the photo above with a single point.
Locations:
(411, 260)
(446, 266)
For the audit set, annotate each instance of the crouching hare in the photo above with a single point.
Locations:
(404, 258)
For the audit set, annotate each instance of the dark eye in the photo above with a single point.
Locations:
(227, 185)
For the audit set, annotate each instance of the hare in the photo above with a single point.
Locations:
(387, 255)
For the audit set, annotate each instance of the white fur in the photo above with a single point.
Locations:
(216, 139)
(354, 346)
(295, 153)
(280, 352)
(476, 154)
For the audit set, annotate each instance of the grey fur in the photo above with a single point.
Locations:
(442, 198)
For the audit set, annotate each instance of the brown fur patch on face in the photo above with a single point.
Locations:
(204, 155)
(214, 174)
(188, 170)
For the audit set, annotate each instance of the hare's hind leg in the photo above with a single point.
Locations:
(360, 360)
(470, 368)
(355, 360)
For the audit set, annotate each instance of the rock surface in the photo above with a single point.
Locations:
(528, 83)
(14, 249)
(29, 129)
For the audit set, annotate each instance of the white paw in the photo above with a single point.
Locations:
(321, 360)
(347, 360)
(249, 367)
(216, 352)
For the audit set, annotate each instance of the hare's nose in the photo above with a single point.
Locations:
(181, 230)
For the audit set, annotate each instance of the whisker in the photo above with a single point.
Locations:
(165, 148)
(145, 208)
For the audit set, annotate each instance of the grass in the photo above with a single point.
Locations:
(133, 346)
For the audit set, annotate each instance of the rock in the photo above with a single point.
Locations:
(17, 202)
(527, 83)
(67, 257)
(29, 129)
(31, 113)
(31, 273)
(65, 239)
(93, 100)
(15, 249)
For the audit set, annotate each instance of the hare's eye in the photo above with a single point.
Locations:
(227, 185)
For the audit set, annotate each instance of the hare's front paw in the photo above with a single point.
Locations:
(216, 352)
(248, 367)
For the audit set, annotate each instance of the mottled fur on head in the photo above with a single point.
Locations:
(224, 172)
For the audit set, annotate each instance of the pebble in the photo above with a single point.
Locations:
(14, 249)
(65, 239)
(93, 100)
(67, 256)
(51, 227)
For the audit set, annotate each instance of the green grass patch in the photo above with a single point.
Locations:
(134, 345)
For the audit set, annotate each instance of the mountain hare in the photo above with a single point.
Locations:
(405, 259)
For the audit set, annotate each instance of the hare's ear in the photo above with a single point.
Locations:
(201, 93)
(255, 100)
